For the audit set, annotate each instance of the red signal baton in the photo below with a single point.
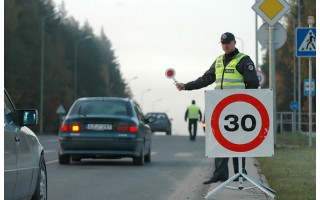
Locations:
(170, 73)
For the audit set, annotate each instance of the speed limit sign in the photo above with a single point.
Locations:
(239, 123)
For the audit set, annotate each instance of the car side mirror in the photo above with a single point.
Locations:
(27, 117)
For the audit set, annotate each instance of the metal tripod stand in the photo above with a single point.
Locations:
(242, 175)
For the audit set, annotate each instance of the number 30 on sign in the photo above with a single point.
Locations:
(239, 123)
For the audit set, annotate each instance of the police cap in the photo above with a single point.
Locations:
(227, 37)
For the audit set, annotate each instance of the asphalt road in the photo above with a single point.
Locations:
(177, 169)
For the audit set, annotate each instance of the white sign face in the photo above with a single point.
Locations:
(306, 87)
(239, 123)
(61, 110)
(279, 32)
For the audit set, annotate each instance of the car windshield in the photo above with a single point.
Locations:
(101, 107)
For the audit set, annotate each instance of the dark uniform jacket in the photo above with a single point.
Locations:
(244, 67)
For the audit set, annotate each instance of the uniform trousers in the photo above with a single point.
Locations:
(193, 128)
(221, 167)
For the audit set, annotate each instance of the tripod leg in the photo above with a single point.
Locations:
(261, 186)
(224, 184)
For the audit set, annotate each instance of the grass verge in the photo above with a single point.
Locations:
(292, 170)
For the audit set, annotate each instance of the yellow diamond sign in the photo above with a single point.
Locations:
(271, 10)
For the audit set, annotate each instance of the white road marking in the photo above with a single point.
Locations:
(51, 162)
(50, 151)
(183, 154)
(51, 140)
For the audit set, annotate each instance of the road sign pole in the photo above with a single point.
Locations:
(310, 102)
(256, 43)
(294, 79)
(299, 94)
(272, 84)
(306, 47)
(310, 22)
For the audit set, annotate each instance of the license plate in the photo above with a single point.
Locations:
(99, 127)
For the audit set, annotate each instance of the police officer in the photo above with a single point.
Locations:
(194, 115)
(232, 70)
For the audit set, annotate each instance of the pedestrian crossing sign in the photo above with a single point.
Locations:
(306, 42)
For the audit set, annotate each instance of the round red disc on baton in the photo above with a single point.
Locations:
(170, 73)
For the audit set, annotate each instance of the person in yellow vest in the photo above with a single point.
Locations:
(193, 114)
(232, 70)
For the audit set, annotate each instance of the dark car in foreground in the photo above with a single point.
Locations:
(161, 124)
(25, 175)
(105, 127)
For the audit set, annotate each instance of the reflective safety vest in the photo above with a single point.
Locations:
(193, 112)
(228, 76)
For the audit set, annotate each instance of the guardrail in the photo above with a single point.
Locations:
(288, 122)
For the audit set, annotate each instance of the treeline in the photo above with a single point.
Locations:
(98, 72)
(285, 60)
(29, 24)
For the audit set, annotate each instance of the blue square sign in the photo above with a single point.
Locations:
(306, 42)
(306, 87)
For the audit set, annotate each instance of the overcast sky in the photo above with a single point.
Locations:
(149, 36)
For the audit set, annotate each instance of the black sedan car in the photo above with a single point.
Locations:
(105, 127)
(162, 122)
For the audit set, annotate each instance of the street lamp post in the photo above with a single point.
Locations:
(42, 74)
(127, 88)
(294, 75)
(147, 90)
(242, 44)
(43, 23)
(131, 79)
(299, 75)
(75, 64)
(153, 105)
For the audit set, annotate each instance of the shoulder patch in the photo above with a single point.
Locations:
(250, 66)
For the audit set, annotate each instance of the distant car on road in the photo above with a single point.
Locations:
(162, 123)
(105, 127)
(25, 174)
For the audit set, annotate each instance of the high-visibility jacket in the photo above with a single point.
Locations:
(193, 112)
(228, 77)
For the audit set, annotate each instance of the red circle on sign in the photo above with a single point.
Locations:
(264, 126)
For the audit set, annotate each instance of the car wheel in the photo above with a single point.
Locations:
(41, 189)
(64, 159)
(139, 160)
(147, 158)
(168, 132)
